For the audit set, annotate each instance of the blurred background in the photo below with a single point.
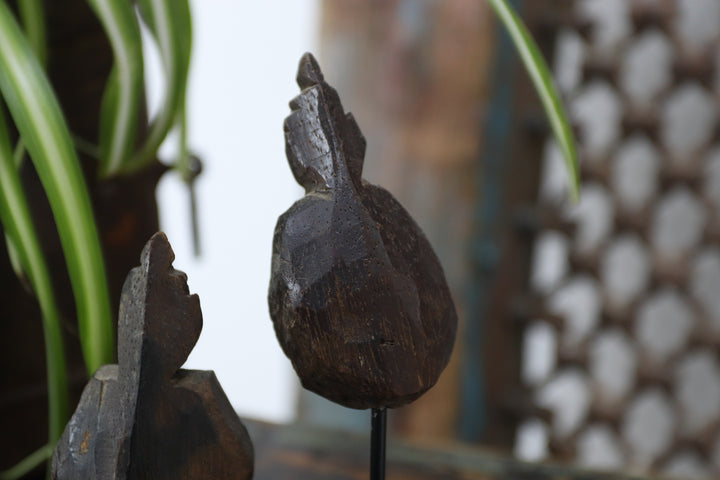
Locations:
(589, 332)
(245, 58)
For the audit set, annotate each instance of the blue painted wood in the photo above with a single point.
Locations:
(486, 249)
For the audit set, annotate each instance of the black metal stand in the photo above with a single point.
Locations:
(377, 444)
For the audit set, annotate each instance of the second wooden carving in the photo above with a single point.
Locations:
(147, 418)
(357, 296)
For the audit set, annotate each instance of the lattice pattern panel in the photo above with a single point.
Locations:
(624, 352)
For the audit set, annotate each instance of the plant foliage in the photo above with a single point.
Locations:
(43, 132)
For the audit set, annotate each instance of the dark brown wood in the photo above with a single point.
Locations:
(145, 418)
(507, 276)
(301, 453)
(357, 296)
(416, 77)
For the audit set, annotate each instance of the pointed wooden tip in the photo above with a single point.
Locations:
(309, 72)
(157, 252)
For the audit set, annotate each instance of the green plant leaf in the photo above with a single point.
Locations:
(16, 263)
(29, 463)
(123, 93)
(170, 23)
(19, 228)
(542, 79)
(12, 251)
(33, 18)
(39, 120)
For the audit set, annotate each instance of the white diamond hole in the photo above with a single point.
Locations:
(532, 441)
(625, 271)
(568, 397)
(599, 448)
(550, 263)
(597, 110)
(578, 302)
(539, 352)
(645, 70)
(648, 427)
(635, 174)
(698, 21)
(612, 367)
(698, 391)
(688, 120)
(594, 216)
(663, 325)
(678, 224)
(705, 285)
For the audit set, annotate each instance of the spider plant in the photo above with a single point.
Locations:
(542, 80)
(35, 113)
(43, 133)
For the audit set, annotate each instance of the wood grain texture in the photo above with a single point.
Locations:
(416, 77)
(358, 298)
(302, 453)
(146, 418)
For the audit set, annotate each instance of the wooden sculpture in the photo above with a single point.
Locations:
(146, 418)
(357, 296)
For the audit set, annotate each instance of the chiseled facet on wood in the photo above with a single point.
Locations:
(357, 296)
(146, 418)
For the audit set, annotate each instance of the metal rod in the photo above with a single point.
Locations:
(377, 444)
(195, 168)
(194, 223)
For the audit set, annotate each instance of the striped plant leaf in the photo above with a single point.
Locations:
(33, 21)
(170, 24)
(542, 79)
(123, 93)
(43, 129)
(32, 17)
(18, 225)
(29, 463)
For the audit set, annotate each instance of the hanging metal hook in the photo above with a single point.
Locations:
(194, 169)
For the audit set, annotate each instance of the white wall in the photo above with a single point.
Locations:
(245, 56)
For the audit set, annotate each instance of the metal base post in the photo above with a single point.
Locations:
(377, 444)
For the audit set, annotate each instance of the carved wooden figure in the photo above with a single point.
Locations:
(146, 418)
(357, 296)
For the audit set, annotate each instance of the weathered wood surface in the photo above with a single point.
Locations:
(79, 61)
(146, 418)
(416, 76)
(303, 453)
(357, 296)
